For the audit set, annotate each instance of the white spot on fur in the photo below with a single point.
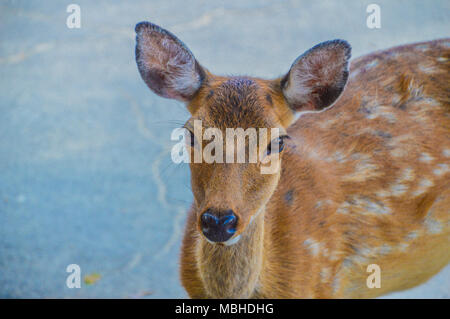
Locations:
(343, 209)
(372, 64)
(407, 175)
(412, 235)
(355, 73)
(433, 226)
(399, 152)
(313, 246)
(360, 258)
(426, 158)
(382, 194)
(370, 206)
(425, 68)
(403, 247)
(441, 170)
(375, 251)
(363, 205)
(399, 188)
(325, 274)
(336, 285)
(385, 249)
(327, 123)
(322, 203)
(365, 168)
(446, 152)
(398, 145)
(325, 252)
(423, 186)
(382, 111)
(338, 156)
(334, 255)
(396, 98)
(429, 101)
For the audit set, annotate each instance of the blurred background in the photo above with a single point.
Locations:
(85, 170)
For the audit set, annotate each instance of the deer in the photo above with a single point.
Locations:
(363, 178)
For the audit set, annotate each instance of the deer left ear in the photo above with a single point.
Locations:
(317, 77)
(166, 65)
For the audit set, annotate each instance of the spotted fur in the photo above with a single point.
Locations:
(366, 181)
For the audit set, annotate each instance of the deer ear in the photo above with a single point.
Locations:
(166, 65)
(317, 77)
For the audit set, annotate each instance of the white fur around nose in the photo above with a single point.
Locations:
(232, 241)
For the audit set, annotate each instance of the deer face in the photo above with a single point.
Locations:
(230, 190)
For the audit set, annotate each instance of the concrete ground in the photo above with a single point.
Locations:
(85, 170)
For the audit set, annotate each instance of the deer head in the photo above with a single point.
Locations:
(227, 195)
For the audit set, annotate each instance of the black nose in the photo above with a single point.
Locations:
(218, 226)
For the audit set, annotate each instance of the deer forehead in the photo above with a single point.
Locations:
(236, 102)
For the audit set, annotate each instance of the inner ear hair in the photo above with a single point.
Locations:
(165, 63)
(317, 77)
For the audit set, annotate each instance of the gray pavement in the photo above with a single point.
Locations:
(85, 169)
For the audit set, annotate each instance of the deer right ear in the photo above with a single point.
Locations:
(317, 77)
(166, 65)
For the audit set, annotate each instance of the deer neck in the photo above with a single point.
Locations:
(233, 271)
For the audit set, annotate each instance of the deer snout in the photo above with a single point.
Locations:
(218, 226)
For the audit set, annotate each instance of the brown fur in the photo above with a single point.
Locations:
(364, 182)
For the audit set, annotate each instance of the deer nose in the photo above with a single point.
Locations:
(218, 226)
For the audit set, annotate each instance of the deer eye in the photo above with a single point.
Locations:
(190, 136)
(280, 142)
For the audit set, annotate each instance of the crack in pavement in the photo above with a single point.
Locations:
(178, 211)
